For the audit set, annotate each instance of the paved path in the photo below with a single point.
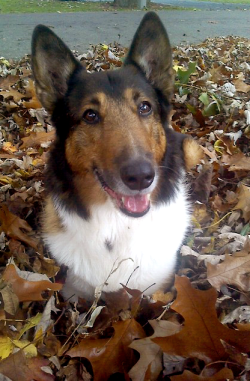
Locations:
(204, 5)
(79, 30)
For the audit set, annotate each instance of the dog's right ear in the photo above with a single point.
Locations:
(52, 65)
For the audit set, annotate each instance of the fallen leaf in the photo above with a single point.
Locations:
(29, 349)
(11, 93)
(31, 323)
(214, 259)
(10, 299)
(6, 347)
(173, 364)
(150, 353)
(113, 351)
(7, 82)
(31, 92)
(237, 162)
(27, 290)
(233, 271)
(45, 319)
(18, 367)
(13, 226)
(241, 86)
(244, 201)
(202, 332)
(236, 355)
(35, 139)
(9, 148)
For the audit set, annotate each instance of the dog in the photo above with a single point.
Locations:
(117, 209)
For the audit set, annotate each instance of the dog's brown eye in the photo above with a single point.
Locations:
(91, 116)
(145, 108)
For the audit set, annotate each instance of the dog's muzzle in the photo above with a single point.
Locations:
(136, 177)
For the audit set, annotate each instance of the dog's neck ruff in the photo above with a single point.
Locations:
(92, 248)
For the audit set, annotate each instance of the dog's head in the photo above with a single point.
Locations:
(112, 125)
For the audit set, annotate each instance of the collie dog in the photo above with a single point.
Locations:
(116, 209)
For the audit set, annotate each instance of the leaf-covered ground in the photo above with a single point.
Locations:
(198, 330)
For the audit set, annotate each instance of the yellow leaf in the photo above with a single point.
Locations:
(28, 348)
(8, 147)
(196, 223)
(38, 162)
(6, 180)
(39, 335)
(218, 147)
(177, 67)
(6, 347)
(4, 62)
(32, 322)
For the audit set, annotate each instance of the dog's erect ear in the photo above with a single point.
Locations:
(151, 52)
(52, 65)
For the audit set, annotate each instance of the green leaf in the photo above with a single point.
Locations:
(245, 230)
(184, 75)
(204, 98)
(211, 109)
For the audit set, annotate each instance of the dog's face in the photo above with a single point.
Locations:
(117, 141)
(112, 124)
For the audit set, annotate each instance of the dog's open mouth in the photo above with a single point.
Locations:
(134, 206)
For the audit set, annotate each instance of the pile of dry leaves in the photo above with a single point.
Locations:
(200, 330)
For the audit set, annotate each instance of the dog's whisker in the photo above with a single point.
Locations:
(169, 169)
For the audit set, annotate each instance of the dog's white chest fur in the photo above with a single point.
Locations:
(109, 239)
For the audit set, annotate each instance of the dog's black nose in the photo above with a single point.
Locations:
(137, 175)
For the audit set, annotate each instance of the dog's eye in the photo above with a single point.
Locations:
(91, 116)
(145, 108)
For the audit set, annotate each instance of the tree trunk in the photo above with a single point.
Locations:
(131, 3)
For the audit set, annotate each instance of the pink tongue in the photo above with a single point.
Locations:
(136, 204)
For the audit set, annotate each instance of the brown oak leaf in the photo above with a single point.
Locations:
(35, 139)
(11, 93)
(237, 162)
(241, 86)
(244, 201)
(13, 226)
(108, 356)
(27, 290)
(234, 270)
(202, 331)
(18, 367)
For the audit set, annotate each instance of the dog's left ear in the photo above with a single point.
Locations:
(151, 52)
